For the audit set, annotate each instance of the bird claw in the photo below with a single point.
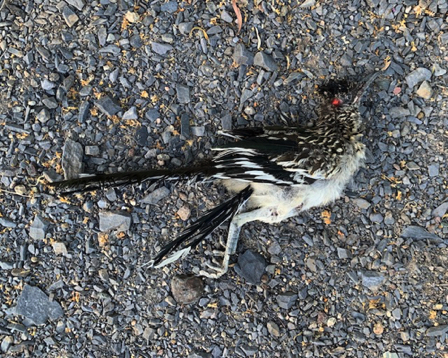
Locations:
(220, 270)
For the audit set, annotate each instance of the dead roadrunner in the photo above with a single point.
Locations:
(276, 173)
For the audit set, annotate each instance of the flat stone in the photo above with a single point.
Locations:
(47, 85)
(437, 331)
(183, 93)
(157, 195)
(7, 223)
(187, 289)
(59, 248)
(425, 90)
(185, 125)
(131, 113)
(242, 56)
(286, 300)
(69, 16)
(161, 49)
(43, 116)
(107, 106)
(184, 213)
(372, 280)
(50, 102)
(419, 75)
(185, 27)
(72, 156)
(79, 4)
(198, 131)
(92, 150)
(438, 71)
(35, 306)
(152, 114)
(141, 136)
(38, 228)
(251, 266)
(113, 220)
(343, 253)
(440, 210)
(136, 41)
(399, 112)
(83, 111)
(225, 16)
(361, 203)
(433, 170)
(170, 6)
(419, 233)
(265, 61)
(273, 329)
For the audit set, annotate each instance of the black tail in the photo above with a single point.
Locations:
(100, 181)
(198, 231)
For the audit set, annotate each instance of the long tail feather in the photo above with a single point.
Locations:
(199, 230)
(100, 181)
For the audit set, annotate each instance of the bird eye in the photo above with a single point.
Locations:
(336, 102)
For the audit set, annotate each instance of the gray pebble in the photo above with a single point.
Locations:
(343, 253)
(187, 289)
(92, 150)
(399, 112)
(79, 4)
(107, 106)
(419, 75)
(131, 113)
(83, 111)
(50, 102)
(376, 218)
(251, 266)
(265, 61)
(43, 116)
(110, 220)
(183, 93)
(69, 16)
(419, 233)
(440, 210)
(152, 114)
(72, 156)
(287, 300)
(433, 170)
(273, 329)
(157, 195)
(170, 6)
(226, 17)
(185, 27)
(161, 49)
(242, 56)
(38, 228)
(36, 307)
(371, 279)
(437, 331)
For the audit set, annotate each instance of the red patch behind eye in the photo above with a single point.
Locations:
(336, 102)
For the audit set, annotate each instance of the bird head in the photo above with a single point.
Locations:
(344, 93)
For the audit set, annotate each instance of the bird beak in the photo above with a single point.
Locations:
(360, 92)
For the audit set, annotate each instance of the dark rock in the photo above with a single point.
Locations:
(419, 75)
(109, 220)
(157, 195)
(72, 156)
(83, 111)
(242, 56)
(185, 125)
(69, 16)
(440, 210)
(251, 266)
(187, 289)
(265, 61)
(107, 106)
(419, 233)
(185, 27)
(287, 299)
(183, 93)
(43, 116)
(152, 114)
(79, 4)
(372, 280)
(131, 113)
(35, 306)
(161, 49)
(141, 136)
(50, 102)
(437, 331)
(38, 228)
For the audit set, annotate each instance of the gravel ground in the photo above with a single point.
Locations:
(115, 85)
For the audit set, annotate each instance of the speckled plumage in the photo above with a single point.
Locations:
(277, 172)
